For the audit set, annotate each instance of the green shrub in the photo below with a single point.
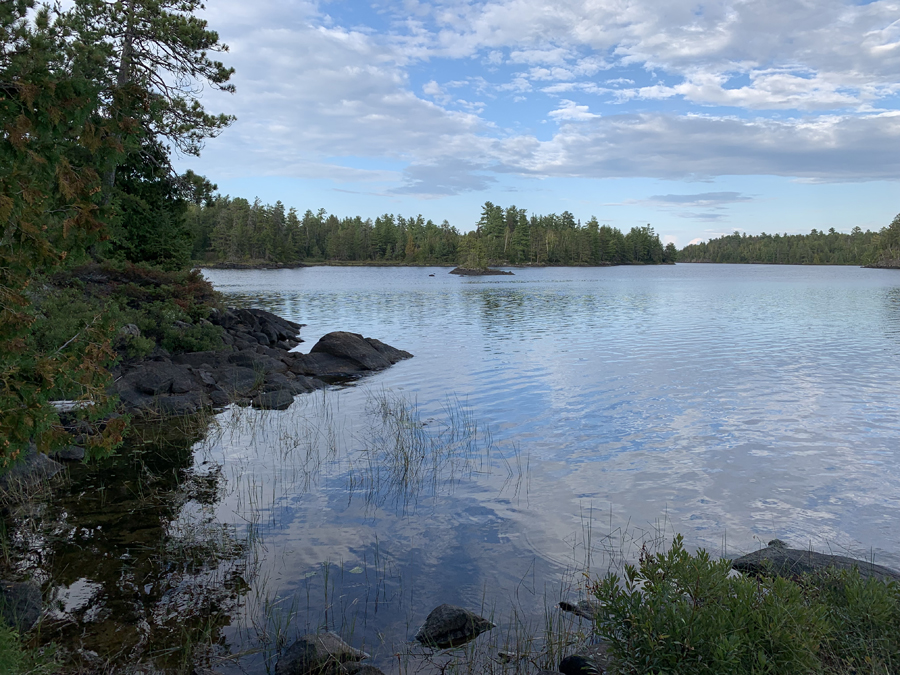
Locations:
(16, 659)
(864, 621)
(682, 613)
(678, 613)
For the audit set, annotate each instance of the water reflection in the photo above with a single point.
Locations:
(133, 561)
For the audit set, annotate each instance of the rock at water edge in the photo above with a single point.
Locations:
(450, 626)
(316, 653)
(776, 559)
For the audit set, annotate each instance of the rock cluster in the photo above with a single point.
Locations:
(256, 366)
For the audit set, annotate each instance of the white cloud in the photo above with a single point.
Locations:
(312, 92)
(570, 111)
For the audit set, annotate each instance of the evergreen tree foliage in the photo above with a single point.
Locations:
(231, 230)
(815, 248)
(52, 141)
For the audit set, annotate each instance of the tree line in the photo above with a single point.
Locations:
(816, 248)
(233, 229)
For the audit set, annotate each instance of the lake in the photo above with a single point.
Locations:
(549, 423)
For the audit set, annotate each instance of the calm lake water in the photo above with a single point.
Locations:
(591, 407)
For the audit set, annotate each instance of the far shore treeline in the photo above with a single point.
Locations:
(816, 248)
(235, 230)
(226, 229)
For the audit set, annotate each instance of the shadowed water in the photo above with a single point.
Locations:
(543, 415)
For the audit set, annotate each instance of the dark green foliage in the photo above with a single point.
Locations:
(150, 225)
(682, 613)
(863, 617)
(815, 248)
(887, 244)
(234, 230)
(18, 660)
(169, 307)
(50, 145)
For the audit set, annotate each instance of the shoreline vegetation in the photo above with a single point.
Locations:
(867, 249)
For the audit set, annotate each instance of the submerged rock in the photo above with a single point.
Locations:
(778, 560)
(586, 609)
(274, 400)
(450, 626)
(317, 654)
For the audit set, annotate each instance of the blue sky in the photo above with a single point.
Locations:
(698, 118)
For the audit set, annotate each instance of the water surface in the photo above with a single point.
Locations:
(733, 404)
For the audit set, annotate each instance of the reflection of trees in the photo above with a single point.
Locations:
(892, 314)
(132, 559)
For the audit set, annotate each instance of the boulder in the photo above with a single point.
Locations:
(392, 354)
(182, 404)
(353, 347)
(589, 660)
(34, 469)
(261, 363)
(70, 453)
(324, 365)
(779, 560)
(279, 382)
(236, 379)
(450, 626)
(156, 377)
(219, 398)
(273, 400)
(317, 654)
(20, 604)
(208, 359)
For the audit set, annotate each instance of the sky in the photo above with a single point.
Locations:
(699, 118)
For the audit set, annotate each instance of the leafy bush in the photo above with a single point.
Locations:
(685, 614)
(864, 621)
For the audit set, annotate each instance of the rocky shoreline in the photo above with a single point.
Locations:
(256, 366)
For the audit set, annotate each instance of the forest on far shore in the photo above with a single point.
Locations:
(233, 230)
(816, 248)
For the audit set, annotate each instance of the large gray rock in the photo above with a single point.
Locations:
(273, 400)
(325, 365)
(237, 379)
(20, 604)
(778, 560)
(392, 354)
(351, 346)
(317, 654)
(182, 404)
(261, 363)
(157, 377)
(450, 626)
(33, 470)
(70, 453)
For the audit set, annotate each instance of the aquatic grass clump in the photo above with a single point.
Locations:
(689, 614)
(404, 456)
